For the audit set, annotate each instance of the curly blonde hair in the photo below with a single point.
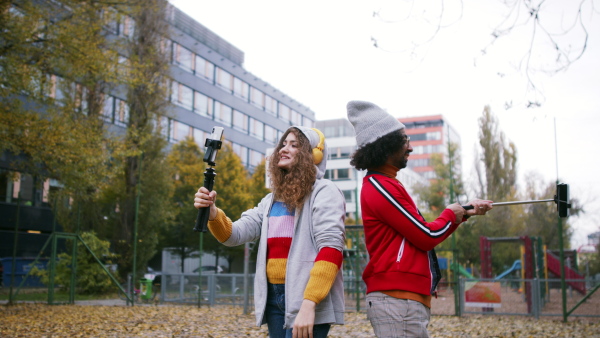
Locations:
(294, 185)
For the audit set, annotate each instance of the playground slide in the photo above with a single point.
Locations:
(464, 272)
(554, 267)
(516, 266)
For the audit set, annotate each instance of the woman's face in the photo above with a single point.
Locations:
(288, 152)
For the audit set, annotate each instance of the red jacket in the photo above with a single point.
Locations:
(399, 240)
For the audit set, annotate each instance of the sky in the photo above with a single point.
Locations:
(322, 54)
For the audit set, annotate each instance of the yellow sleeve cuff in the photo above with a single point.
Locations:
(220, 227)
(322, 276)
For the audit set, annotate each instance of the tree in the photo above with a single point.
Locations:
(436, 194)
(231, 184)
(54, 64)
(91, 277)
(556, 32)
(142, 169)
(496, 180)
(257, 187)
(186, 161)
(541, 219)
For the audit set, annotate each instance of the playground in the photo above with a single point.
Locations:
(530, 286)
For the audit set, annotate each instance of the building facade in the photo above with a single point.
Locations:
(341, 141)
(428, 135)
(209, 87)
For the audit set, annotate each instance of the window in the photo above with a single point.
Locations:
(242, 152)
(434, 135)
(296, 118)
(163, 126)
(204, 69)
(179, 131)
(199, 137)
(108, 108)
(224, 80)
(341, 152)
(182, 95)
(421, 162)
(429, 175)
(123, 66)
(240, 89)
(257, 98)
(256, 129)
(121, 113)
(285, 113)
(337, 174)
(165, 46)
(127, 26)
(202, 104)
(348, 195)
(256, 158)
(109, 18)
(183, 57)
(343, 174)
(81, 99)
(270, 134)
(240, 121)
(223, 113)
(270, 105)
(330, 132)
(308, 122)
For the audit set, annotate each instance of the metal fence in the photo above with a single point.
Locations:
(516, 297)
(209, 289)
(524, 297)
(228, 289)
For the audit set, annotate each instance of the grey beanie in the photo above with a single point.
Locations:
(314, 139)
(370, 122)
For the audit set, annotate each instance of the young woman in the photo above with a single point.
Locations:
(298, 286)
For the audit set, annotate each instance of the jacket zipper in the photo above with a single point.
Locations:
(401, 251)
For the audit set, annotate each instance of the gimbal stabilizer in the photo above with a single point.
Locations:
(212, 144)
(561, 199)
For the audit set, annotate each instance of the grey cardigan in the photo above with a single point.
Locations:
(319, 224)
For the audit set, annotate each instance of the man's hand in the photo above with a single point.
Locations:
(480, 207)
(204, 198)
(458, 211)
(305, 320)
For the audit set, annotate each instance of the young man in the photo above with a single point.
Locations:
(402, 272)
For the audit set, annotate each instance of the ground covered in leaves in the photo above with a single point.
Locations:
(40, 320)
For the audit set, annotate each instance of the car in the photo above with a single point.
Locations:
(210, 269)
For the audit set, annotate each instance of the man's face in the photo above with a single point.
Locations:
(400, 159)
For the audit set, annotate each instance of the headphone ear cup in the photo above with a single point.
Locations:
(317, 155)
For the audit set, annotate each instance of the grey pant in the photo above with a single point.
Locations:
(393, 317)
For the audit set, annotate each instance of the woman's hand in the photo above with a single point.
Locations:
(203, 199)
(305, 320)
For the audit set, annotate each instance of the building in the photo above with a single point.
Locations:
(341, 141)
(209, 87)
(428, 135)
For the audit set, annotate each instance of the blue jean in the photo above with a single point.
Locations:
(275, 314)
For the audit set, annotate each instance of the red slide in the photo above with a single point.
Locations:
(554, 267)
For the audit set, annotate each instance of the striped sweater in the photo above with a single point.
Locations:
(279, 240)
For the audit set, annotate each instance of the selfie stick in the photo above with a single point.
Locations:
(212, 144)
(561, 199)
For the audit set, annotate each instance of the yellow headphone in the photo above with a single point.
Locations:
(318, 151)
